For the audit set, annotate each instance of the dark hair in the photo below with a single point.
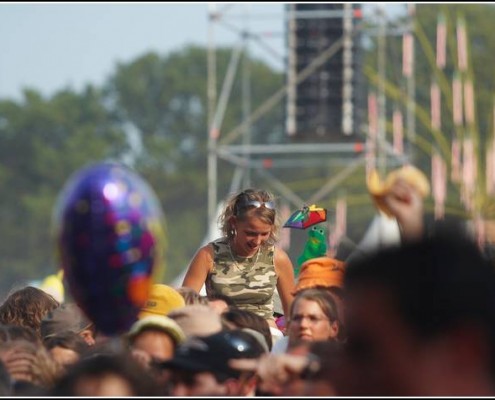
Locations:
(67, 340)
(248, 319)
(27, 307)
(101, 365)
(16, 332)
(191, 296)
(328, 354)
(437, 283)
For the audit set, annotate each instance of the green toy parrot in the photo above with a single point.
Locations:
(316, 246)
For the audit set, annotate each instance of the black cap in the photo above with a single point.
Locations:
(212, 353)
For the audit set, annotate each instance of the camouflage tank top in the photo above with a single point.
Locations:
(249, 282)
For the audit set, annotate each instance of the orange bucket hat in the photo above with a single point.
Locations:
(321, 271)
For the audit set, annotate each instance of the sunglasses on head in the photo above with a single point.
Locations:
(245, 203)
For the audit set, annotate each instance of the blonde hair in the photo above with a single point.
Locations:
(234, 208)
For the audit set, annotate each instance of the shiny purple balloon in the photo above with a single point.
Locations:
(110, 239)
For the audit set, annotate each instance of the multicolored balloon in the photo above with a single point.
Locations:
(110, 240)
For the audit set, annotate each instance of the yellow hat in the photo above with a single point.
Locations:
(162, 300)
(321, 271)
(162, 323)
(54, 286)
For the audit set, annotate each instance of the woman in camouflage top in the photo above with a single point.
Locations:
(245, 264)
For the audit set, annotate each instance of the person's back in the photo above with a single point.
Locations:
(421, 321)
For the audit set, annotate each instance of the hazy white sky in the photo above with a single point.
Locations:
(49, 46)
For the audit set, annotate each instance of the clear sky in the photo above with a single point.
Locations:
(50, 46)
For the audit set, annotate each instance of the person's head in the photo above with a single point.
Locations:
(29, 363)
(322, 373)
(313, 316)
(324, 273)
(27, 307)
(157, 336)
(197, 320)
(317, 378)
(68, 317)
(421, 320)
(191, 296)
(238, 319)
(250, 220)
(66, 347)
(17, 332)
(161, 300)
(115, 375)
(220, 302)
(200, 366)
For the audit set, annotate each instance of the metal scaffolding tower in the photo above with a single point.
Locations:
(236, 146)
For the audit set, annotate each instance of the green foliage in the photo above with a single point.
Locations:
(481, 47)
(42, 141)
(152, 113)
(164, 98)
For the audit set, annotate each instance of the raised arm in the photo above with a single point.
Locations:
(406, 204)
(286, 281)
(199, 267)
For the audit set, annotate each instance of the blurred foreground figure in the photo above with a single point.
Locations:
(105, 375)
(421, 321)
(200, 366)
(309, 370)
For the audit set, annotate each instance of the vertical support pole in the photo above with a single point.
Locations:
(212, 97)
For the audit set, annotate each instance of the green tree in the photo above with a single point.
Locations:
(481, 46)
(43, 141)
(164, 100)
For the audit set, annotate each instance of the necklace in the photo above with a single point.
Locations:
(236, 264)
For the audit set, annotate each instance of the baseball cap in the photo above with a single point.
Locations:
(259, 337)
(161, 323)
(212, 353)
(162, 299)
(66, 317)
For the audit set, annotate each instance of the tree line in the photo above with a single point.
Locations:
(152, 114)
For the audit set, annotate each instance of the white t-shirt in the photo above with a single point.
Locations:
(280, 345)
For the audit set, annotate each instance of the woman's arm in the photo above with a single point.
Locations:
(286, 281)
(198, 269)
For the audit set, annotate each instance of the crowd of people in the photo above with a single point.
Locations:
(413, 319)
